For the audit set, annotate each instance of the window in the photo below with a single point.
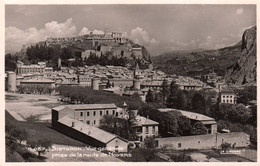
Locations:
(224, 101)
(100, 112)
(81, 113)
(87, 113)
(94, 113)
(227, 100)
(227, 96)
(94, 121)
(153, 129)
(88, 122)
(198, 142)
(116, 113)
(231, 96)
(107, 112)
(113, 112)
(179, 145)
(146, 130)
(224, 96)
(230, 101)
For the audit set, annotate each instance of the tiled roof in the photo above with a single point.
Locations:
(38, 80)
(90, 106)
(91, 131)
(227, 91)
(191, 115)
(61, 107)
(142, 121)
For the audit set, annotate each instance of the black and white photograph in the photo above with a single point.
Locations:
(129, 82)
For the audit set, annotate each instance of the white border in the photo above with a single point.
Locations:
(2, 53)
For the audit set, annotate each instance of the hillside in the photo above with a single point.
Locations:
(244, 70)
(81, 47)
(192, 63)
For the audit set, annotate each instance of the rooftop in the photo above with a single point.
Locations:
(91, 131)
(38, 81)
(191, 115)
(142, 121)
(88, 106)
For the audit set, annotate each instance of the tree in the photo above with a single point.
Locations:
(22, 135)
(165, 89)
(198, 103)
(173, 88)
(149, 96)
(149, 150)
(41, 146)
(108, 85)
(199, 129)
(225, 146)
(240, 114)
(182, 157)
(224, 110)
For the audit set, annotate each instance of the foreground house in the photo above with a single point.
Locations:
(63, 121)
(146, 127)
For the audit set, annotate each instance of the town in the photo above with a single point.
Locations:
(100, 96)
(86, 122)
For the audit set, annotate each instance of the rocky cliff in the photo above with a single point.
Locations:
(244, 70)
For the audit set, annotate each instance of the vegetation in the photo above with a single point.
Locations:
(120, 126)
(107, 59)
(88, 96)
(41, 146)
(192, 63)
(182, 157)
(10, 62)
(149, 96)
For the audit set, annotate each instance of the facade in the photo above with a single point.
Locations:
(190, 86)
(84, 80)
(236, 139)
(228, 96)
(34, 68)
(41, 86)
(91, 114)
(146, 127)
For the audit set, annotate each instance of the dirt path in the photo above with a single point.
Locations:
(23, 106)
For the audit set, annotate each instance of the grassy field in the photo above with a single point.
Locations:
(42, 130)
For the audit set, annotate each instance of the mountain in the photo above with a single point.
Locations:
(111, 45)
(244, 70)
(197, 62)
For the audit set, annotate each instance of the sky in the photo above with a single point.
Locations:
(160, 28)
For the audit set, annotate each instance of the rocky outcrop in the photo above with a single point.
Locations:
(244, 70)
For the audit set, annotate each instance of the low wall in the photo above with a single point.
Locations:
(236, 139)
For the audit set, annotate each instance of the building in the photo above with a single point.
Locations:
(190, 86)
(33, 68)
(208, 122)
(146, 127)
(89, 113)
(84, 80)
(11, 81)
(228, 96)
(41, 86)
(88, 134)
(236, 139)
